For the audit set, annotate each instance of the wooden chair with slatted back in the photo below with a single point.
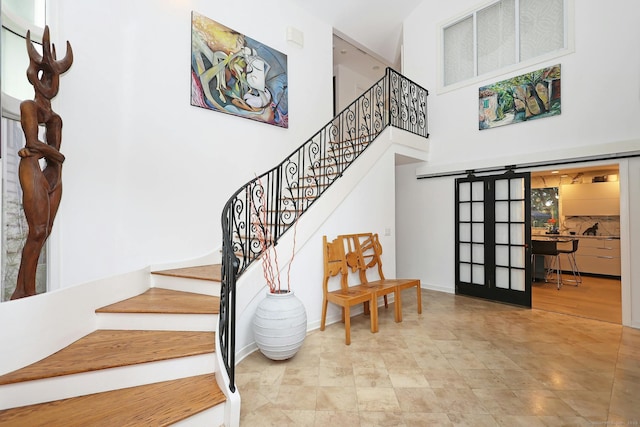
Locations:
(360, 257)
(335, 264)
(402, 284)
(370, 250)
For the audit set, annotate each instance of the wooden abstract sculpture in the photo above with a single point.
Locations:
(41, 187)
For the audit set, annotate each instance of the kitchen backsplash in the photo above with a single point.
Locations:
(607, 225)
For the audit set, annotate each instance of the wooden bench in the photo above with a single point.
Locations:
(364, 255)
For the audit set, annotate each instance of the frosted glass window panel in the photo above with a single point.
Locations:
(493, 38)
(517, 189)
(502, 211)
(15, 62)
(478, 275)
(502, 278)
(502, 234)
(541, 27)
(465, 211)
(477, 191)
(517, 280)
(31, 11)
(478, 253)
(465, 273)
(517, 211)
(464, 192)
(502, 255)
(517, 234)
(496, 36)
(517, 257)
(465, 232)
(458, 51)
(465, 252)
(478, 233)
(478, 212)
(502, 189)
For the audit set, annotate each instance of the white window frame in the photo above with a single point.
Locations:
(569, 47)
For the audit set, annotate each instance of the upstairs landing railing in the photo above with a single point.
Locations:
(271, 203)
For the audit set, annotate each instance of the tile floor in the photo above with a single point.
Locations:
(462, 362)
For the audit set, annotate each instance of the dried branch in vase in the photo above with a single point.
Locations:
(264, 235)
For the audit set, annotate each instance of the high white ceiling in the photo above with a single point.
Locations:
(369, 30)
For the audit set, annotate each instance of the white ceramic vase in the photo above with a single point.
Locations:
(280, 325)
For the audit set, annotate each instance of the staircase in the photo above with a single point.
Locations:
(150, 362)
(152, 359)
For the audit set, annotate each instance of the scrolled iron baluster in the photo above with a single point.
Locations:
(379, 115)
(239, 228)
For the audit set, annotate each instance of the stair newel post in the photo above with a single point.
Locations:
(230, 266)
(232, 322)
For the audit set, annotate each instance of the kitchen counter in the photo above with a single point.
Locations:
(573, 236)
(598, 255)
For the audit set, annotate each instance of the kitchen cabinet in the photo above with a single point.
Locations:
(596, 199)
(600, 255)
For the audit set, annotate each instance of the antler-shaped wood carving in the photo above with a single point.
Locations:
(41, 187)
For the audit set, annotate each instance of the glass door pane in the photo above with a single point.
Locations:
(494, 218)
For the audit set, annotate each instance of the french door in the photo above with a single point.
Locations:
(493, 236)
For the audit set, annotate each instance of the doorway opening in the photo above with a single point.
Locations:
(580, 203)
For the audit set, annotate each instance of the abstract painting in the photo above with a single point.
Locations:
(526, 97)
(234, 74)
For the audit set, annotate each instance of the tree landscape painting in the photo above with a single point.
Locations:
(234, 74)
(526, 97)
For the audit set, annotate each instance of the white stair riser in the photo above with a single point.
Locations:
(197, 286)
(211, 417)
(56, 388)
(157, 322)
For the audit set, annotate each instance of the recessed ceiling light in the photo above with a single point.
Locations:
(555, 171)
(376, 67)
(343, 51)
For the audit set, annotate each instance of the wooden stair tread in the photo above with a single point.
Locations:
(211, 272)
(158, 404)
(105, 349)
(158, 300)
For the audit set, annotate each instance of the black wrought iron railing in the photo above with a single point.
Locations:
(260, 212)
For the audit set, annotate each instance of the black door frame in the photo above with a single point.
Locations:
(487, 286)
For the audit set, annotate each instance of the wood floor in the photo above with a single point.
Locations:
(104, 349)
(595, 298)
(148, 405)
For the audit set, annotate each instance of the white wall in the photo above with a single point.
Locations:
(600, 87)
(425, 233)
(147, 174)
(349, 86)
(600, 111)
(630, 247)
(362, 200)
(38, 326)
(368, 207)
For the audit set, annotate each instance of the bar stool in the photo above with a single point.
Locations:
(548, 248)
(571, 256)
